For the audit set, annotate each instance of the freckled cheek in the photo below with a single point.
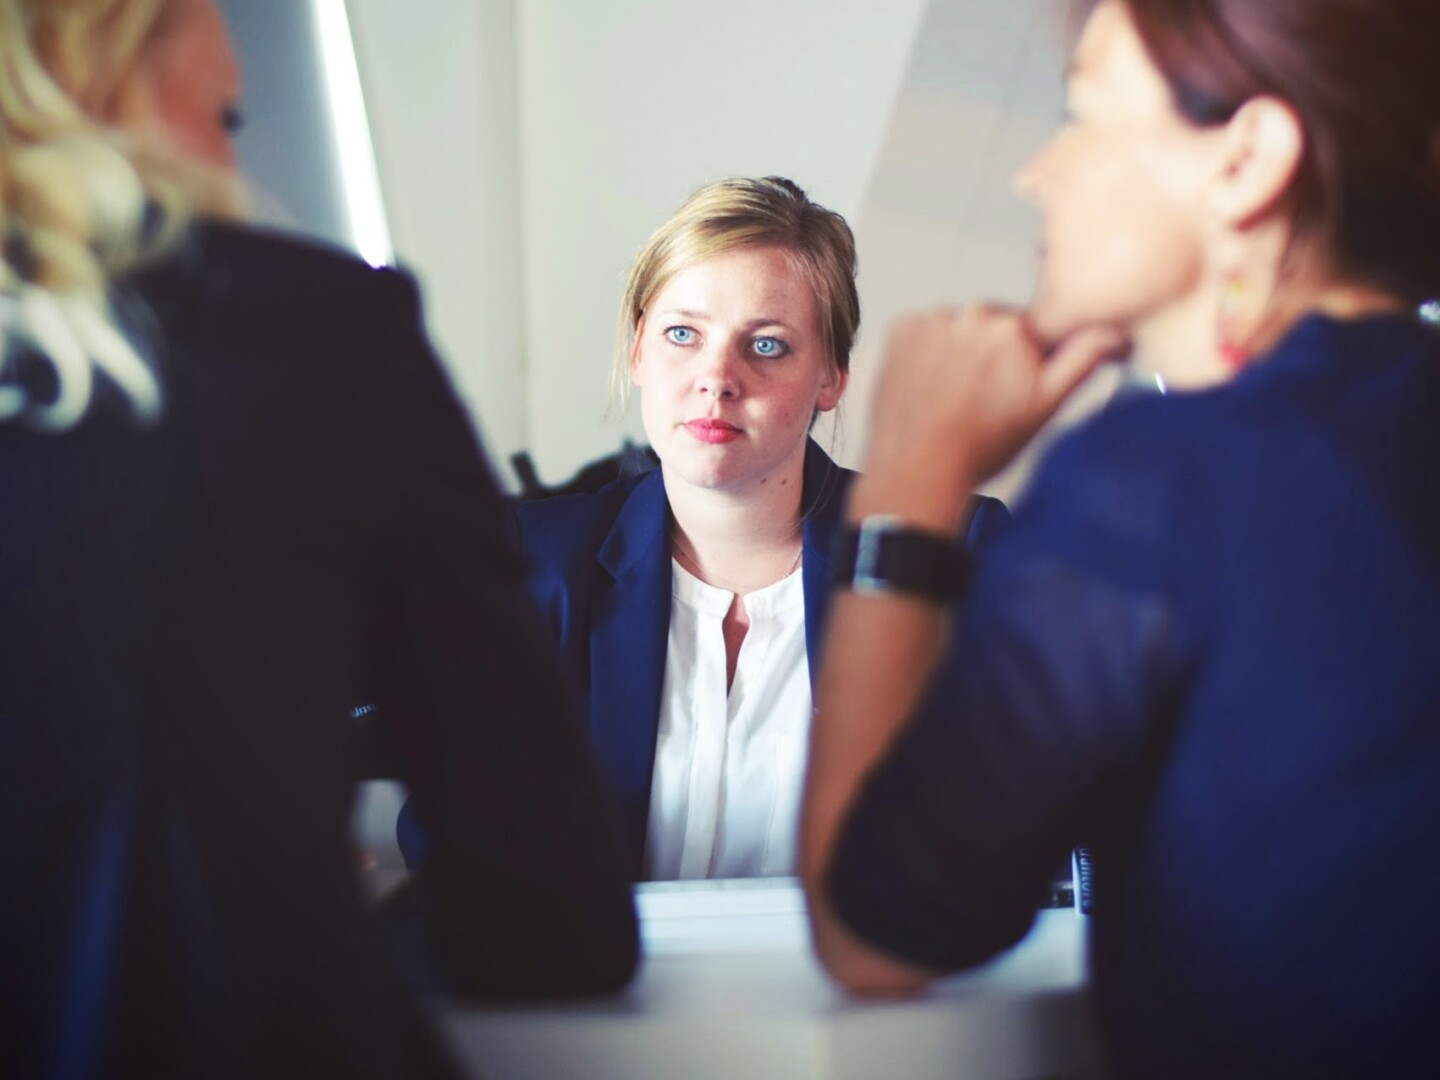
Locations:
(792, 415)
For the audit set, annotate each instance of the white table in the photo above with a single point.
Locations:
(728, 989)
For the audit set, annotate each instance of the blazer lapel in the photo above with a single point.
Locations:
(629, 632)
(822, 500)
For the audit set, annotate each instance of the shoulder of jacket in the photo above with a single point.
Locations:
(557, 530)
(245, 266)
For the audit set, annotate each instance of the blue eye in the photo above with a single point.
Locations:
(769, 347)
(679, 335)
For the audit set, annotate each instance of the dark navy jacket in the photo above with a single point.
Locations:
(600, 575)
(186, 613)
(1208, 646)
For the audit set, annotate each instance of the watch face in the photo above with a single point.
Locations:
(870, 545)
(881, 556)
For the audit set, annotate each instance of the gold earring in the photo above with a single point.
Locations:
(1233, 354)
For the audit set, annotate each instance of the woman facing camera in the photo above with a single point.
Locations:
(689, 602)
(1209, 644)
(238, 496)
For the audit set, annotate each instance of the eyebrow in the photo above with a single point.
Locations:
(700, 316)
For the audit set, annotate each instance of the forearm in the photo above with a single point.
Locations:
(961, 391)
(880, 652)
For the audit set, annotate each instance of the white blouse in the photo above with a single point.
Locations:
(725, 793)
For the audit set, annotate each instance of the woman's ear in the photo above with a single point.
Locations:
(1264, 143)
(831, 388)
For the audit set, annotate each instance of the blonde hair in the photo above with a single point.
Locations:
(82, 202)
(741, 212)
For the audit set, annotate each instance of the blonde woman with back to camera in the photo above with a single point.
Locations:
(238, 498)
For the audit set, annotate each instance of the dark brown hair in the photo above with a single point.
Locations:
(1364, 78)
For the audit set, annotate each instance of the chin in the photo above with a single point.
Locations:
(1051, 322)
(701, 469)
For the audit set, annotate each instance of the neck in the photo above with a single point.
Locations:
(738, 541)
(1182, 342)
(1179, 343)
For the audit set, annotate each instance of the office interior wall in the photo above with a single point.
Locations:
(940, 222)
(286, 147)
(440, 89)
(526, 148)
(628, 106)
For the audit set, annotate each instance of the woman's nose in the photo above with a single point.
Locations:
(720, 373)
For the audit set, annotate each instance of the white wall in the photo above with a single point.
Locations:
(528, 147)
(629, 105)
(286, 148)
(440, 86)
(940, 223)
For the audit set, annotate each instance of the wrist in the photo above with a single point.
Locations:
(883, 555)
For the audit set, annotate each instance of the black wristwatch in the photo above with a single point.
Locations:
(882, 555)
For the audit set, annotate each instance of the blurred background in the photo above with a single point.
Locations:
(514, 154)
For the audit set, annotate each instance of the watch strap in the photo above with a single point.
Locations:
(882, 555)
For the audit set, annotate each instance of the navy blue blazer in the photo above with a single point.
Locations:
(600, 575)
(187, 610)
(1209, 648)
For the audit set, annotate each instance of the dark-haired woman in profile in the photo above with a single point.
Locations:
(1209, 646)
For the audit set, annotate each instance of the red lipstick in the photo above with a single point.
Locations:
(712, 431)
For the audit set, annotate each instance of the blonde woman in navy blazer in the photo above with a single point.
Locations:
(736, 328)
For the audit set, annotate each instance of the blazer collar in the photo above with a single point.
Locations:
(644, 517)
(629, 632)
(642, 525)
(821, 501)
(630, 629)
